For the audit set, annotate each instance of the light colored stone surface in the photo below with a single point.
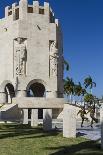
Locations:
(21, 93)
(25, 116)
(34, 117)
(27, 39)
(38, 32)
(47, 119)
(31, 102)
(2, 97)
(69, 121)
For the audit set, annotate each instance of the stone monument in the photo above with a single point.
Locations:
(31, 58)
(31, 66)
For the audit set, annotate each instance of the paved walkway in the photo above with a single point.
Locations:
(86, 131)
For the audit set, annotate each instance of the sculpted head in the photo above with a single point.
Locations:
(19, 40)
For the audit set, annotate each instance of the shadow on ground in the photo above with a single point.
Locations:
(7, 131)
(84, 148)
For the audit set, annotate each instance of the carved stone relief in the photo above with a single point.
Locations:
(20, 56)
(53, 58)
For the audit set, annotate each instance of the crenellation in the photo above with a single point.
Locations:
(57, 22)
(46, 9)
(6, 11)
(36, 7)
(14, 10)
(21, 11)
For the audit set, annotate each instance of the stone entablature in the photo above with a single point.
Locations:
(49, 103)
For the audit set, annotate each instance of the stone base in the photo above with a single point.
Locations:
(69, 121)
(25, 116)
(34, 117)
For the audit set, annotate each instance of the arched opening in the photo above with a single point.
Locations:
(10, 93)
(36, 89)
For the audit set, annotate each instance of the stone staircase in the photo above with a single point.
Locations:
(10, 112)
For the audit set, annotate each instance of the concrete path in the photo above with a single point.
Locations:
(86, 131)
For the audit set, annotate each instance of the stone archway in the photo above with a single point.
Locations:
(36, 88)
(7, 92)
(10, 93)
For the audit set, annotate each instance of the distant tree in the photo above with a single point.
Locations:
(69, 87)
(88, 82)
(89, 98)
(78, 89)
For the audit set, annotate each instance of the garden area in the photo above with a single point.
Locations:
(17, 139)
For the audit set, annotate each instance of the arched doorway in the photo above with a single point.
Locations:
(36, 89)
(10, 93)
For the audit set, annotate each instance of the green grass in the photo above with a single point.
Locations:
(24, 140)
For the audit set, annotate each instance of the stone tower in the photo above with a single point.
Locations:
(31, 52)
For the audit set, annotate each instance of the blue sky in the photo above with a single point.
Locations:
(82, 26)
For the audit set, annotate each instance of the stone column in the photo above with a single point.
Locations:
(47, 119)
(25, 116)
(3, 98)
(69, 121)
(101, 121)
(21, 93)
(34, 117)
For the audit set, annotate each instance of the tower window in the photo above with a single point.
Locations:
(41, 11)
(17, 13)
(30, 9)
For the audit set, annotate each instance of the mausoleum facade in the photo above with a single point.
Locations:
(31, 53)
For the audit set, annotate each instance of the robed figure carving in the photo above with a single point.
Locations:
(53, 58)
(21, 56)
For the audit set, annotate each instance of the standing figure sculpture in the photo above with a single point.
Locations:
(53, 58)
(82, 113)
(21, 57)
(92, 115)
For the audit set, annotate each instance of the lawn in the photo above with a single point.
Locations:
(23, 140)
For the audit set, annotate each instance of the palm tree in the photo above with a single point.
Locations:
(78, 89)
(88, 82)
(69, 87)
(89, 98)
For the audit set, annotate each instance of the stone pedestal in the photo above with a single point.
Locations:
(47, 119)
(101, 121)
(34, 117)
(69, 121)
(3, 98)
(25, 116)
